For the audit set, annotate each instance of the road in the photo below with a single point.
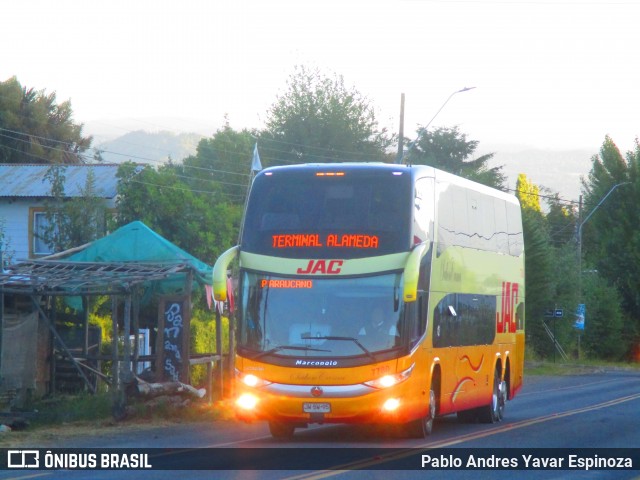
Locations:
(598, 410)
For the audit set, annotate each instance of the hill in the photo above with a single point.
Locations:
(149, 147)
(557, 171)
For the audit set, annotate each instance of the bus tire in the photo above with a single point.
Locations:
(494, 412)
(281, 430)
(422, 427)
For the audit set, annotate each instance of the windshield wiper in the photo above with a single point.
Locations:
(304, 348)
(348, 339)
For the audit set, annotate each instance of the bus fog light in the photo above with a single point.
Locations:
(247, 401)
(391, 405)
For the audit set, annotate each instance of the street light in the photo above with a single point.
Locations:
(579, 232)
(465, 89)
(400, 158)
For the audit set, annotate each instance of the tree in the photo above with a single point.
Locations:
(539, 267)
(222, 163)
(319, 119)
(562, 221)
(35, 129)
(183, 215)
(604, 329)
(611, 239)
(448, 149)
(528, 193)
(72, 222)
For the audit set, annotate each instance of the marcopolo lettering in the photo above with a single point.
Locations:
(316, 363)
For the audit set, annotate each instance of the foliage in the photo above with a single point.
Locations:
(448, 149)
(539, 259)
(611, 239)
(199, 222)
(72, 221)
(528, 193)
(562, 222)
(203, 340)
(224, 162)
(319, 119)
(6, 251)
(73, 408)
(36, 129)
(604, 332)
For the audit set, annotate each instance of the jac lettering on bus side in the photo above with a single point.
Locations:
(506, 319)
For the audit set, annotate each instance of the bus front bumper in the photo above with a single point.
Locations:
(344, 404)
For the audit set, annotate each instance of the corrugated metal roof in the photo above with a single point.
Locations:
(30, 180)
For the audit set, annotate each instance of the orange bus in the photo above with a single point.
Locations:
(376, 293)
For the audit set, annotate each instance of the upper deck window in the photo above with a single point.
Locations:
(311, 213)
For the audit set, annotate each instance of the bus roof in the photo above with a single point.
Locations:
(416, 171)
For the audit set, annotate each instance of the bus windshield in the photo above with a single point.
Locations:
(319, 317)
(306, 213)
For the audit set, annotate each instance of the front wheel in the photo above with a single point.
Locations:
(422, 427)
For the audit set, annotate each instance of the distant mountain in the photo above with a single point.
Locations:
(559, 171)
(149, 147)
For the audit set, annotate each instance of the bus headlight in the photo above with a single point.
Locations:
(251, 380)
(390, 380)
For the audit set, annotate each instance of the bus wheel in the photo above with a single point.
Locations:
(494, 412)
(281, 430)
(423, 427)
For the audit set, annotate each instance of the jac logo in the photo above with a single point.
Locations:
(325, 267)
(506, 318)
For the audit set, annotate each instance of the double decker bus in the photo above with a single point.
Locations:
(376, 293)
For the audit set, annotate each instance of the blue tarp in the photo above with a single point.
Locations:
(135, 242)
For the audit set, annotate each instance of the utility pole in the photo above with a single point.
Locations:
(401, 143)
(401, 132)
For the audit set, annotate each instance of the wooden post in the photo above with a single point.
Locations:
(136, 332)
(118, 393)
(126, 364)
(172, 340)
(219, 379)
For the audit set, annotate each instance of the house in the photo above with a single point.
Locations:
(24, 191)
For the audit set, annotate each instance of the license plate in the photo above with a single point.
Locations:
(315, 407)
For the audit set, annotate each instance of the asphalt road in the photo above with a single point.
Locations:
(579, 412)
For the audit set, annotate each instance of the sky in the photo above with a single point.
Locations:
(557, 74)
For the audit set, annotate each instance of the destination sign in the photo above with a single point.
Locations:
(285, 283)
(331, 240)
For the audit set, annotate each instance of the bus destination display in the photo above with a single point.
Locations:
(304, 240)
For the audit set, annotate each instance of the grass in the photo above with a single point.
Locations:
(575, 367)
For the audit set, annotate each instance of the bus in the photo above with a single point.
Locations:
(375, 293)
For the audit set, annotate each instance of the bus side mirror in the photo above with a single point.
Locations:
(412, 272)
(220, 273)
